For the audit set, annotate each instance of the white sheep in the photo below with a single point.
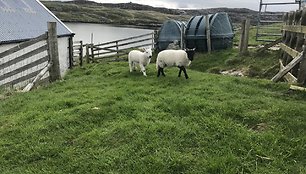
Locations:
(141, 58)
(179, 58)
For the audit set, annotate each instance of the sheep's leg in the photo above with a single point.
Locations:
(180, 72)
(134, 66)
(130, 65)
(160, 70)
(143, 69)
(185, 72)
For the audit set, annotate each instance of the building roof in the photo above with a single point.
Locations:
(25, 19)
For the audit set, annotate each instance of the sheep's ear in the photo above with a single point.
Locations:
(143, 49)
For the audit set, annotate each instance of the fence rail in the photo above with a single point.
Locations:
(78, 52)
(23, 62)
(19, 64)
(293, 60)
(117, 48)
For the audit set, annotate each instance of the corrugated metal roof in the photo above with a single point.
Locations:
(26, 19)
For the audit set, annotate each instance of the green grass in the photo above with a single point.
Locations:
(253, 65)
(103, 119)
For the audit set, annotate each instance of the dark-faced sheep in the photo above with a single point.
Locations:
(178, 58)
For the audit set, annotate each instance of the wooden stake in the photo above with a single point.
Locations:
(81, 53)
(246, 37)
(70, 42)
(241, 42)
(53, 52)
(87, 53)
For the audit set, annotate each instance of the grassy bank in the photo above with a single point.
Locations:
(98, 13)
(102, 119)
(263, 65)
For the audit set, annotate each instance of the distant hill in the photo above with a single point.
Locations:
(134, 14)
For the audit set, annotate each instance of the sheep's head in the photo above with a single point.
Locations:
(147, 52)
(190, 53)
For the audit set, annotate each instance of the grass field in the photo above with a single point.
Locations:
(264, 65)
(103, 119)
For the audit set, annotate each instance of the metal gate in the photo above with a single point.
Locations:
(269, 23)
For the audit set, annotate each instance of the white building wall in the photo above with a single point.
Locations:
(63, 49)
(63, 52)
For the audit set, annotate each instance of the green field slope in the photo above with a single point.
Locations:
(103, 119)
(91, 12)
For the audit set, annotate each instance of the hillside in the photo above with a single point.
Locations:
(134, 14)
(102, 119)
(110, 14)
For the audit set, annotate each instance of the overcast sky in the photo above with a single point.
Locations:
(250, 4)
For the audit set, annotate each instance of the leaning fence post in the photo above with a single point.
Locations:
(53, 52)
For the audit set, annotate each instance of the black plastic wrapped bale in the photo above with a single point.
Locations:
(196, 33)
(168, 33)
(221, 32)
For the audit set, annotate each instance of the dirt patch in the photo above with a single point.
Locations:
(234, 72)
(260, 127)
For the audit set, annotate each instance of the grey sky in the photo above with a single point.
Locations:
(251, 4)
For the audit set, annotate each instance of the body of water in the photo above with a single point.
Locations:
(100, 33)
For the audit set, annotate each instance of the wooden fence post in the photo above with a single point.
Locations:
(208, 34)
(300, 36)
(244, 38)
(153, 38)
(286, 37)
(117, 48)
(87, 53)
(70, 43)
(290, 35)
(53, 52)
(92, 53)
(247, 34)
(293, 40)
(302, 68)
(81, 53)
